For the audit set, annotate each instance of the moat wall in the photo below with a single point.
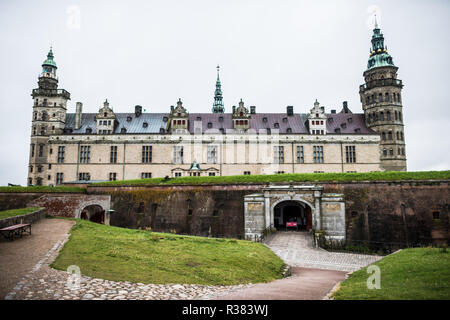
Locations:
(395, 211)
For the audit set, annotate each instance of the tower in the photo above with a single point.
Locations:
(49, 116)
(218, 103)
(382, 103)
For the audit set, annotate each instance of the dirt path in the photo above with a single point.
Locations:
(304, 284)
(18, 257)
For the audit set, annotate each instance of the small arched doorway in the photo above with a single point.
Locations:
(94, 213)
(287, 212)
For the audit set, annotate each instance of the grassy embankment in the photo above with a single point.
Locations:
(287, 177)
(418, 273)
(121, 254)
(16, 212)
(42, 189)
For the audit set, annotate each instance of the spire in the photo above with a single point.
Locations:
(379, 56)
(218, 102)
(49, 61)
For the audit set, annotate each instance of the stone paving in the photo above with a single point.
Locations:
(296, 249)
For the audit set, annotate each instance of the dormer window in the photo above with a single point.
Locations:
(268, 131)
(222, 130)
(276, 125)
(209, 125)
(88, 130)
(357, 130)
(264, 119)
(161, 130)
(145, 125)
(330, 120)
(350, 120)
(129, 118)
(288, 130)
(241, 114)
(284, 120)
(343, 125)
(165, 119)
(105, 114)
(199, 118)
(220, 119)
(123, 130)
(337, 130)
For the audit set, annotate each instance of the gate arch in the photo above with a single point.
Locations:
(286, 210)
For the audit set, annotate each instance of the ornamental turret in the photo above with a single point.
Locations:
(218, 98)
(382, 103)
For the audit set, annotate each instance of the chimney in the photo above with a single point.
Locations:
(234, 109)
(290, 110)
(137, 111)
(78, 113)
(252, 109)
(345, 104)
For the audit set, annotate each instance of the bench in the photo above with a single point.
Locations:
(16, 230)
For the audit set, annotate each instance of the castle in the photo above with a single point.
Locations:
(80, 147)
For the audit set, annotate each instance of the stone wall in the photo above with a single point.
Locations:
(395, 211)
(25, 218)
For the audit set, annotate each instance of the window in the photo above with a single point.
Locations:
(84, 176)
(318, 154)
(276, 125)
(380, 97)
(300, 158)
(350, 154)
(209, 125)
(399, 116)
(247, 173)
(383, 136)
(112, 176)
(278, 154)
(177, 174)
(386, 97)
(41, 150)
(221, 119)
(289, 130)
(59, 178)
(390, 135)
(212, 154)
(388, 115)
(384, 152)
(436, 215)
(43, 130)
(147, 154)
(39, 181)
(49, 166)
(391, 152)
(211, 174)
(398, 135)
(113, 154)
(146, 175)
(49, 177)
(178, 154)
(34, 130)
(31, 168)
(85, 154)
(32, 150)
(381, 116)
(61, 152)
(401, 135)
(396, 115)
(44, 116)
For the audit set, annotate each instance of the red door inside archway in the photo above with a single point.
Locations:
(293, 216)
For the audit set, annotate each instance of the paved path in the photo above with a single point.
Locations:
(296, 249)
(304, 284)
(21, 255)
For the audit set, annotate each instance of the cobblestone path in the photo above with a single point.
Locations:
(297, 250)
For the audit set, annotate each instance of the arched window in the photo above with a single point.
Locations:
(388, 115)
(386, 97)
(383, 136)
(395, 97)
(400, 116)
(401, 135)
(381, 116)
(399, 98)
(390, 135)
(44, 116)
(396, 115)
(384, 152)
(398, 135)
(380, 97)
(391, 152)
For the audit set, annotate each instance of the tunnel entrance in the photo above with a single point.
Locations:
(94, 213)
(292, 215)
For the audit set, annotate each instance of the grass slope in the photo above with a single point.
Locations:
(45, 189)
(297, 177)
(16, 212)
(419, 273)
(141, 256)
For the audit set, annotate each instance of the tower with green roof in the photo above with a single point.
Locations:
(381, 98)
(49, 117)
(218, 98)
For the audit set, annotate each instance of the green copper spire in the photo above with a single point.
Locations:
(379, 56)
(50, 62)
(218, 103)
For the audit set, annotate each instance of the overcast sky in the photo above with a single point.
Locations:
(272, 54)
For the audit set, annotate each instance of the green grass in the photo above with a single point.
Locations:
(297, 177)
(16, 212)
(419, 273)
(45, 189)
(121, 254)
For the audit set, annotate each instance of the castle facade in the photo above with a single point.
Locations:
(80, 147)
